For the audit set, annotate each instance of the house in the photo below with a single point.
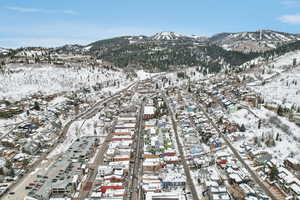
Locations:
(173, 178)
(295, 190)
(104, 170)
(288, 181)
(152, 164)
(263, 158)
(292, 164)
(174, 195)
(253, 99)
(111, 186)
(297, 118)
(150, 124)
(31, 147)
(149, 112)
(218, 192)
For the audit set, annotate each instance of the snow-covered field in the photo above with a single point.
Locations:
(285, 134)
(22, 80)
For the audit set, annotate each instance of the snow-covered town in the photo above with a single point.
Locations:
(73, 131)
(149, 100)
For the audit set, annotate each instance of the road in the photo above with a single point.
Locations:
(135, 191)
(29, 176)
(180, 148)
(235, 152)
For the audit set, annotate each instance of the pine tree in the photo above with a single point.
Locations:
(8, 164)
(36, 106)
(242, 128)
(280, 110)
(277, 137)
(274, 173)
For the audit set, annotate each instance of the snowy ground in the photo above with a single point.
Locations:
(79, 129)
(22, 80)
(284, 89)
(286, 59)
(142, 75)
(287, 143)
(191, 72)
(268, 69)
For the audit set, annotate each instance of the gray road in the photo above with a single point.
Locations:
(135, 192)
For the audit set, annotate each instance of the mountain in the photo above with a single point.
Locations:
(164, 51)
(169, 50)
(258, 41)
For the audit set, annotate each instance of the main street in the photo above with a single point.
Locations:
(136, 172)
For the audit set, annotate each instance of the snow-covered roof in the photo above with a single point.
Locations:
(149, 110)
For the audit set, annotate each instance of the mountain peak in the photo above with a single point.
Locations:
(167, 35)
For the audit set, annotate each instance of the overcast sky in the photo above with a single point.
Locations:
(59, 22)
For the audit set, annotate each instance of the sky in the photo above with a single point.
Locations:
(53, 23)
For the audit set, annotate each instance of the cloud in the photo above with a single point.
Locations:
(71, 12)
(20, 9)
(290, 3)
(53, 35)
(39, 10)
(16, 42)
(290, 19)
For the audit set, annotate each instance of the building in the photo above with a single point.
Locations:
(292, 164)
(149, 112)
(176, 195)
(297, 118)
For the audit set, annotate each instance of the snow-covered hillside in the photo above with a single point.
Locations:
(4, 51)
(286, 59)
(283, 89)
(21, 80)
(265, 35)
(280, 80)
(261, 40)
(278, 129)
(167, 36)
(30, 53)
(176, 36)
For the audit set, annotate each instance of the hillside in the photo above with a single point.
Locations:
(19, 81)
(258, 41)
(4, 51)
(165, 51)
